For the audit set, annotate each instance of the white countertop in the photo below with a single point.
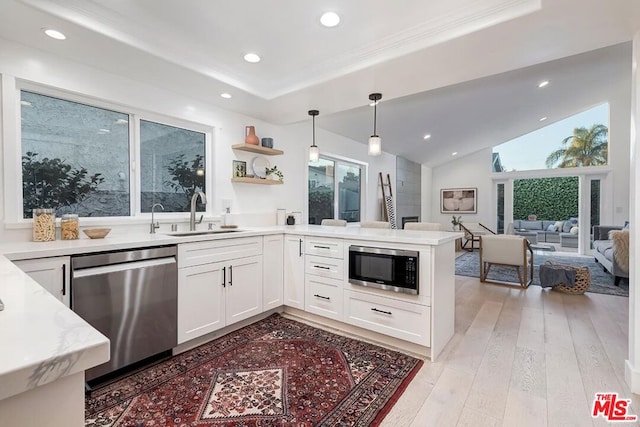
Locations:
(42, 340)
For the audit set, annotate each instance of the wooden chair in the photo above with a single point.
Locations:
(334, 222)
(507, 251)
(472, 232)
(375, 224)
(423, 226)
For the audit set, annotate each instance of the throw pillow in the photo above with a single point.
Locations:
(551, 227)
(566, 227)
(574, 230)
(559, 225)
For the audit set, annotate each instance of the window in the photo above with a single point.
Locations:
(577, 141)
(75, 157)
(324, 201)
(171, 166)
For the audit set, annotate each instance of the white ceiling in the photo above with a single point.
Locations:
(416, 53)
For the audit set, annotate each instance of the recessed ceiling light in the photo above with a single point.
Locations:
(252, 57)
(543, 83)
(542, 119)
(427, 136)
(225, 95)
(54, 34)
(455, 153)
(330, 19)
(25, 103)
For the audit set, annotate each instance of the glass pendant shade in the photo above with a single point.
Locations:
(314, 153)
(375, 145)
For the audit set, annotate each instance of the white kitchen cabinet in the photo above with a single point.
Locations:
(272, 272)
(50, 273)
(294, 271)
(201, 302)
(324, 296)
(219, 283)
(243, 293)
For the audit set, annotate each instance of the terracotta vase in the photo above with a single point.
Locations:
(250, 136)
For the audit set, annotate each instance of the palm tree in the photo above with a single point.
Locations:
(586, 147)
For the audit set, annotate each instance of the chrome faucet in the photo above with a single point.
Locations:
(156, 225)
(194, 199)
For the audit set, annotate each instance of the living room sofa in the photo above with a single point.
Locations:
(611, 250)
(540, 231)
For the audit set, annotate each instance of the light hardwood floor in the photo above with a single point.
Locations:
(521, 358)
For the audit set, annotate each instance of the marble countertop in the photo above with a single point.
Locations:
(43, 340)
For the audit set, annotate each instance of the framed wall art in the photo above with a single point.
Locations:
(239, 169)
(459, 200)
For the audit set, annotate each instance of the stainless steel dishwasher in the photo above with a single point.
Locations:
(132, 298)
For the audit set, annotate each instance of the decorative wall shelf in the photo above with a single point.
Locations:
(257, 181)
(258, 149)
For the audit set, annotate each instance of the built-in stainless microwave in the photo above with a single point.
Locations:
(389, 269)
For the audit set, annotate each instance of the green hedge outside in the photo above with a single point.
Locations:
(553, 199)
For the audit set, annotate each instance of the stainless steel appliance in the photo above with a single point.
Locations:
(390, 269)
(132, 298)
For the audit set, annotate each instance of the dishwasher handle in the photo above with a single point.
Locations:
(96, 271)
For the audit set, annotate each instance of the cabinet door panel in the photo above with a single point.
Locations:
(50, 273)
(244, 289)
(201, 304)
(273, 281)
(294, 271)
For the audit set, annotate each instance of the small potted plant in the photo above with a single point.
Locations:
(456, 222)
(274, 173)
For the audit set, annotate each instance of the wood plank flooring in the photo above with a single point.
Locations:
(521, 358)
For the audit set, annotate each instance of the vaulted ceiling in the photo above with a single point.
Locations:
(462, 70)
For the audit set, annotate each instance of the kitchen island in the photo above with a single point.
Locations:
(48, 346)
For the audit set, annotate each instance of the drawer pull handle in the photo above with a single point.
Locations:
(224, 277)
(381, 311)
(320, 296)
(322, 267)
(321, 247)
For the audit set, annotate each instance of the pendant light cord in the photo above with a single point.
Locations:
(375, 116)
(313, 119)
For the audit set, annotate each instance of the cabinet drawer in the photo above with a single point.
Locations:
(332, 248)
(198, 253)
(325, 267)
(323, 296)
(410, 322)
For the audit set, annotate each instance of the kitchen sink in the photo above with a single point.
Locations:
(202, 232)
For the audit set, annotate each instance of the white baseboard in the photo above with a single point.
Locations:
(632, 377)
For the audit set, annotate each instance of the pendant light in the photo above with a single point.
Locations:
(375, 142)
(314, 153)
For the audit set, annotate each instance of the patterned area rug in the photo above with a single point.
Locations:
(273, 372)
(468, 264)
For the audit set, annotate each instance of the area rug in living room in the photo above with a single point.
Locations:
(468, 264)
(274, 372)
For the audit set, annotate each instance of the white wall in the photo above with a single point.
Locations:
(18, 62)
(471, 171)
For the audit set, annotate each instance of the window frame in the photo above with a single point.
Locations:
(364, 173)
(10, 96)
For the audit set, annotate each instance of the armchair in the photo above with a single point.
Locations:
(508, 251)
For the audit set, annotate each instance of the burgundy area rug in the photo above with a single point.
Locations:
(273, 372)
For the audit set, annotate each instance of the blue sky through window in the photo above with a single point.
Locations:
(530, 151)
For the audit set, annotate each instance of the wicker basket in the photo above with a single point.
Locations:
(582, 283)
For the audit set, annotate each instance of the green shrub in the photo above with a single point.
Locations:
(549, 198)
